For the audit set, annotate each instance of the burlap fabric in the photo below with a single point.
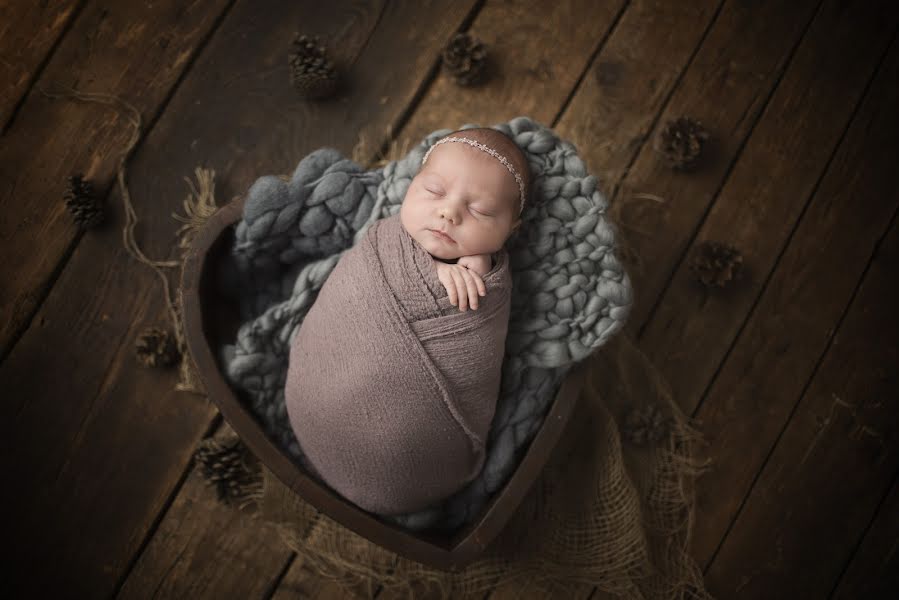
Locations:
(612, 508)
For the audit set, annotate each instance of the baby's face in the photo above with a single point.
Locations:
(466, 193)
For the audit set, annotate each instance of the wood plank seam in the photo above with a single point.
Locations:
(427, 82)
(789, 239)
(802, 394)
(160, 516)
(726, 176)
(588, 66)
(881, 506)
(105, 384)
(41, 66)
(638, 150)
(371, 32)
(750, 313)
(856, 381)
(44, 291)
(165, 575)
(276, 582)
(770, 276)
(859, 85)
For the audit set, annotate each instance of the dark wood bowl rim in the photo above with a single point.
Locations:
(442, 553)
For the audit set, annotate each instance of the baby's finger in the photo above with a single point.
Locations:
(450, 284)
(457, 288)
(482, 289)
(460, 287)
(472, 289)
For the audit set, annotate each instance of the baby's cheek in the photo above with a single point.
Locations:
(408, 215)
(410, 208)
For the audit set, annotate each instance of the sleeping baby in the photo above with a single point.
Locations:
(463, 205)
(392, 382)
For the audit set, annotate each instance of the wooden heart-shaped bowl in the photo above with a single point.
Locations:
(211, 320)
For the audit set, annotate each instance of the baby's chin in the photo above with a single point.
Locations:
(436, 249)
(432, 245)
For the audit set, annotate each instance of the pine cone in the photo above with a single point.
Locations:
(465, 58)
(645, 425)
(680, 142)
(230, 467)
(81, 202)
(311, 72)
(716, 264)
(156, 348)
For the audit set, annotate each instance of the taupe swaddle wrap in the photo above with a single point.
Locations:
(390, 388)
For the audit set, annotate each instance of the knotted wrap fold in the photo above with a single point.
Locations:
(390, 388)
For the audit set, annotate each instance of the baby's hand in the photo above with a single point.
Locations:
(463, 285)
(479, 263)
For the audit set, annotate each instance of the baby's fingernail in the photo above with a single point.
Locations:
(483, 293)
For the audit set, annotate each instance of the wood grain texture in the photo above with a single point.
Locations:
(235, 112)
(537, 58)
(629, 82)
(302, 581)
(725, 86)
(835, 460)
(874, 569)
(765, 194)
(778, 350)
(136, 51)
(28, 31)
(205, 549)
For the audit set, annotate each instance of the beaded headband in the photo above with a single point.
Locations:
(489, 151)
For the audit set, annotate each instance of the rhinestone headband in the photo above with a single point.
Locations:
(489, 151)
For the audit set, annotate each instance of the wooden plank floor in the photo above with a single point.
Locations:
(791, 372)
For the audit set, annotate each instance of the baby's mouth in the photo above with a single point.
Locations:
(442, 236)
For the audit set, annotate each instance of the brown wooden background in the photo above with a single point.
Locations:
(792, 373)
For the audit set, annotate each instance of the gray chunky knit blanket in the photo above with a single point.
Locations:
(570, 292)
